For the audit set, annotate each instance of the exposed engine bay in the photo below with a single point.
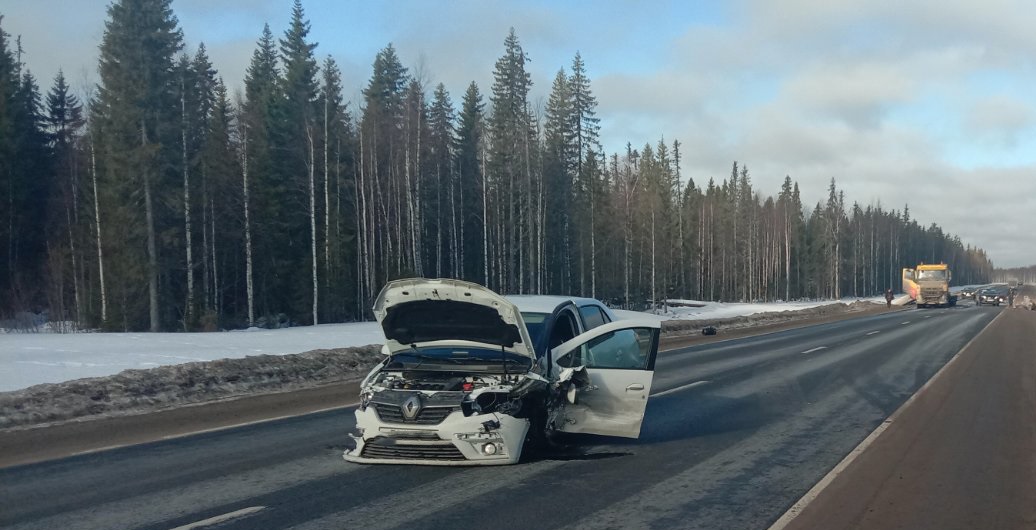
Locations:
(473, 394)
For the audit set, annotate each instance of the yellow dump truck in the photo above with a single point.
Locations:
(929, 285)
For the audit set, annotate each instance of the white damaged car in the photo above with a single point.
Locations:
(473, 378)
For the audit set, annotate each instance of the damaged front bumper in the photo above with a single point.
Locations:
(458, 440)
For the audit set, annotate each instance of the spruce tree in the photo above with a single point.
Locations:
(136, 101)
(297, 143)
(471, 186)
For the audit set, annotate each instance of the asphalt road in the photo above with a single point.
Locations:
(735, 433)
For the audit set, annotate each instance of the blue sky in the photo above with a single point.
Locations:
(926, 103)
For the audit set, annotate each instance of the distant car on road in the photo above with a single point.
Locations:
(989, 297)
(967, 292)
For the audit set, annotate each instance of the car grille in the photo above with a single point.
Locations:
(931, 293)
(388, 448)
(427, 415)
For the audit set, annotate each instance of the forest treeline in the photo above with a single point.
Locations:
(155, 200)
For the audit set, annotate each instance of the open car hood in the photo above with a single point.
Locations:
(421, 311)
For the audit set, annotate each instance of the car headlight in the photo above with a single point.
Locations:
(365, 399)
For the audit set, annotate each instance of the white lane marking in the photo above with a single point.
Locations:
(928, 316)
(815, 491)
(904, 323)
(811, 350)
(681, 387)
(221, 518)
(875, 332)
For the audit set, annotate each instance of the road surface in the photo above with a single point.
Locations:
(735, 433)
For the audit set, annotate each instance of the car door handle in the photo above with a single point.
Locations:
(635, 386)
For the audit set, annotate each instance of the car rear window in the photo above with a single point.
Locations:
(592, 316)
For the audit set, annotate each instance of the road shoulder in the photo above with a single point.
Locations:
(960, 455)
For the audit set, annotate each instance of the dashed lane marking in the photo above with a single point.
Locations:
(904, 323)
(681, 387)
(811, 350)
(221, 518)
(875, 332)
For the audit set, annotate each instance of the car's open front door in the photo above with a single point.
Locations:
(620, 361)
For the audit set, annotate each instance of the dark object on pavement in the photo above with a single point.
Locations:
(708, 330)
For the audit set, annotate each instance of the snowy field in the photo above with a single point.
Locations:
(28, 359)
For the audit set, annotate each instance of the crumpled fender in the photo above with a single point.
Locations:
(571, 380)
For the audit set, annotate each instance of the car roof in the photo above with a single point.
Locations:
(538, 303)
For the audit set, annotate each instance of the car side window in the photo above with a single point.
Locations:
(592, 316)
(564, 329)
(623, 349)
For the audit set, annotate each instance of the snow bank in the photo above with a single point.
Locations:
(135, 391)
(726, 320)
(28, 359)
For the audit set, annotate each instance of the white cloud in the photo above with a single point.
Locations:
(999, 119)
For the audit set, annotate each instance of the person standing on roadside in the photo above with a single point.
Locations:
(888, 298)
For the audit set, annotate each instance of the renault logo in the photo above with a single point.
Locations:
(411, 407)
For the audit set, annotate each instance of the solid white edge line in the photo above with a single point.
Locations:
(815, 491)
(875, 332)
(221, 518)
(681, 387)
(811, 350)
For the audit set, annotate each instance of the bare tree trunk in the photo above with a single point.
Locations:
(787, 254)
(152, 246)
(75, 266)
(456, 240)
(97, 227)
(411, 218)
(457, 183)
(248, 231)
(313, 221)
(654, 295)
(327, 195)
(208, 294)
(593, 244)
(188, 316)
(217, 302)
(418, 219)
(485, 219)
(438, 219)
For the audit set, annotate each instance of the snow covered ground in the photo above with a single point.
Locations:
(28, 359)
